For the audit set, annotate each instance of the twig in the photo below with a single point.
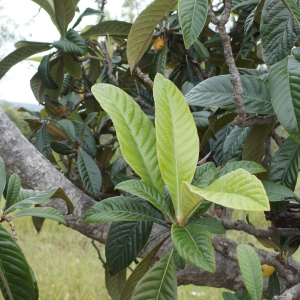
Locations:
(234, 73)
(290, 294)
(278, 139)
(99, 254)
(11, 225)
(223, 249)
(142, 76)
(139, 100)
(90, 57)
(268, 155)
(291, 198)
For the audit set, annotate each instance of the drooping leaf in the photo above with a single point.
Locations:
(42, 212)
(141, 32)
(64, 12)
(13, 188)
(273, 287)
(115, 283)
(112, 28)
(61, 148)
(72, 43)
(135, 132)
(251, 271)
(209, 225)
(15, 272)
(147, 192)
(237, 189)
(284, 90)
(37, 87)
(278, 31)
(139, 272)
(249, 166)
(192, 18)
(177, 139)
(57, 73)
(89, 172)
(72, 67)
(194, 246)
(276, 192)
(124, 242)
(2, 176)
(119, 209)
(89, 142)
(20, 54)
(88, 12)
(44, 71)
(217, 92)
(160, 282)
(43, 140)
(283, 168)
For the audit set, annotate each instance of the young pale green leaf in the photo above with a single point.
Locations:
(13, 188)
(27, 198)
(204, 175)
(160, 282)
(278, 31)
(89, 172)
(73, 43)
(192, 18)
(42, 212)
(251, 271)
(112, 28)
(19, 55)
(14, 269)
(194, 246)
(124, 242)
(119, 209)
(139, 271)
(141, 32)
(273, 287)
(147, 192)
(237, 189)
(284, 164)
(135, 132)
(114, 283)
(64, 13)
(2, 176)
(249, 166)
(284, 91)
(217, 92)
(276, 192)
(209, 225)
(294, 9)
(177, 139)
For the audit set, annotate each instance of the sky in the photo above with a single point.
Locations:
(32, 25)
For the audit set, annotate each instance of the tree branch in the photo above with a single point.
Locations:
(142, 76)
(289, 294)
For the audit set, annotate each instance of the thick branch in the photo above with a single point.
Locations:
(290, 294)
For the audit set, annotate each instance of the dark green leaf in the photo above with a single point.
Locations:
(38, 88)
(273, 287)
(119, 165)
(67, 127)
(44, 71)
(124, 242)
(13, 189)
(2, 176)
(38, 223)
(204, 175)
(61, 148)
(115, 283)
(72, 66)
(89, 142)
(43, 140)
(88, 12)
(229, 296)
(276, 192)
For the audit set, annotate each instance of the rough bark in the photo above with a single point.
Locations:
(36, 172)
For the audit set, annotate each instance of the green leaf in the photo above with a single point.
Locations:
(254, 145)
(15, 271)
(204, 175)
(72, 43)
(147, 192)
(42, 212)
(44, 71)
(124, 242)
(192, 18)
(72, 67)
(278, 31)
(139, 271)
(135, 132)
(229, 296)
(276, 192)
(200, 209)
(119, 209)
(209, 225)
(112, 28)
(89, 172)
(141, 32)
(217, 92)
(180, 262)
(201, 50)
(294, 9)
(249, 166)
(61, 148)
(115, 283)
(19, 55)
(194, 246)
(283, 168)
(243, 4)
(177, 139)
(67, 127)
(237, 189)
(88, 12)
(64, 12)
(27, 198)
(273, 287)
(2, 176)
(251, 271)
(13, 189)
(160, 282)
(284, 91)
(43, 140)
(88, 142)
